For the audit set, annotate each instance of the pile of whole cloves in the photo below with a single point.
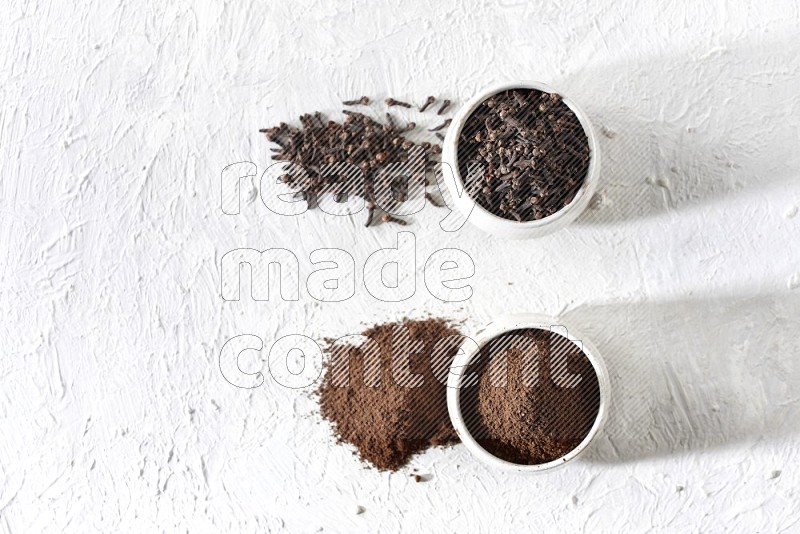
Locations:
(320, 148)
(523, 154)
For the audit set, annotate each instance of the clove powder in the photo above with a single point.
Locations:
(530, 397)
(386, 395)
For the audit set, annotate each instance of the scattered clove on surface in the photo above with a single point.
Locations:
(445, 124)
(387, 218)
(359, 140)
(430, 198)
(392, 102)
(428, 102)
(363, 101)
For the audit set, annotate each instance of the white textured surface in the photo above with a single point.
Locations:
(115, 122)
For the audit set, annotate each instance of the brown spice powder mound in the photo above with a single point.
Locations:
(534, 397)
(387, 396)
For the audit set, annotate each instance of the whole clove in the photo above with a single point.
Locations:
(445, 124)
(444, 106)
(370, 215)
(392, 102)
(428, 102)
(363, 101)
(387, 218)
(430, 198)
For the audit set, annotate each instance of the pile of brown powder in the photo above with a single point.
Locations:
(534, 398)
(387, 397)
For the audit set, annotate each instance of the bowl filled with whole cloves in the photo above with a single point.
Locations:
(524, 160)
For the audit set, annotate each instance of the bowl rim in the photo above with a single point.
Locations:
(472, 209)
(466, 354)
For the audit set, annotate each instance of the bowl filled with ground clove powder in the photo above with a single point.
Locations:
(522, 160)
(527, 393)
